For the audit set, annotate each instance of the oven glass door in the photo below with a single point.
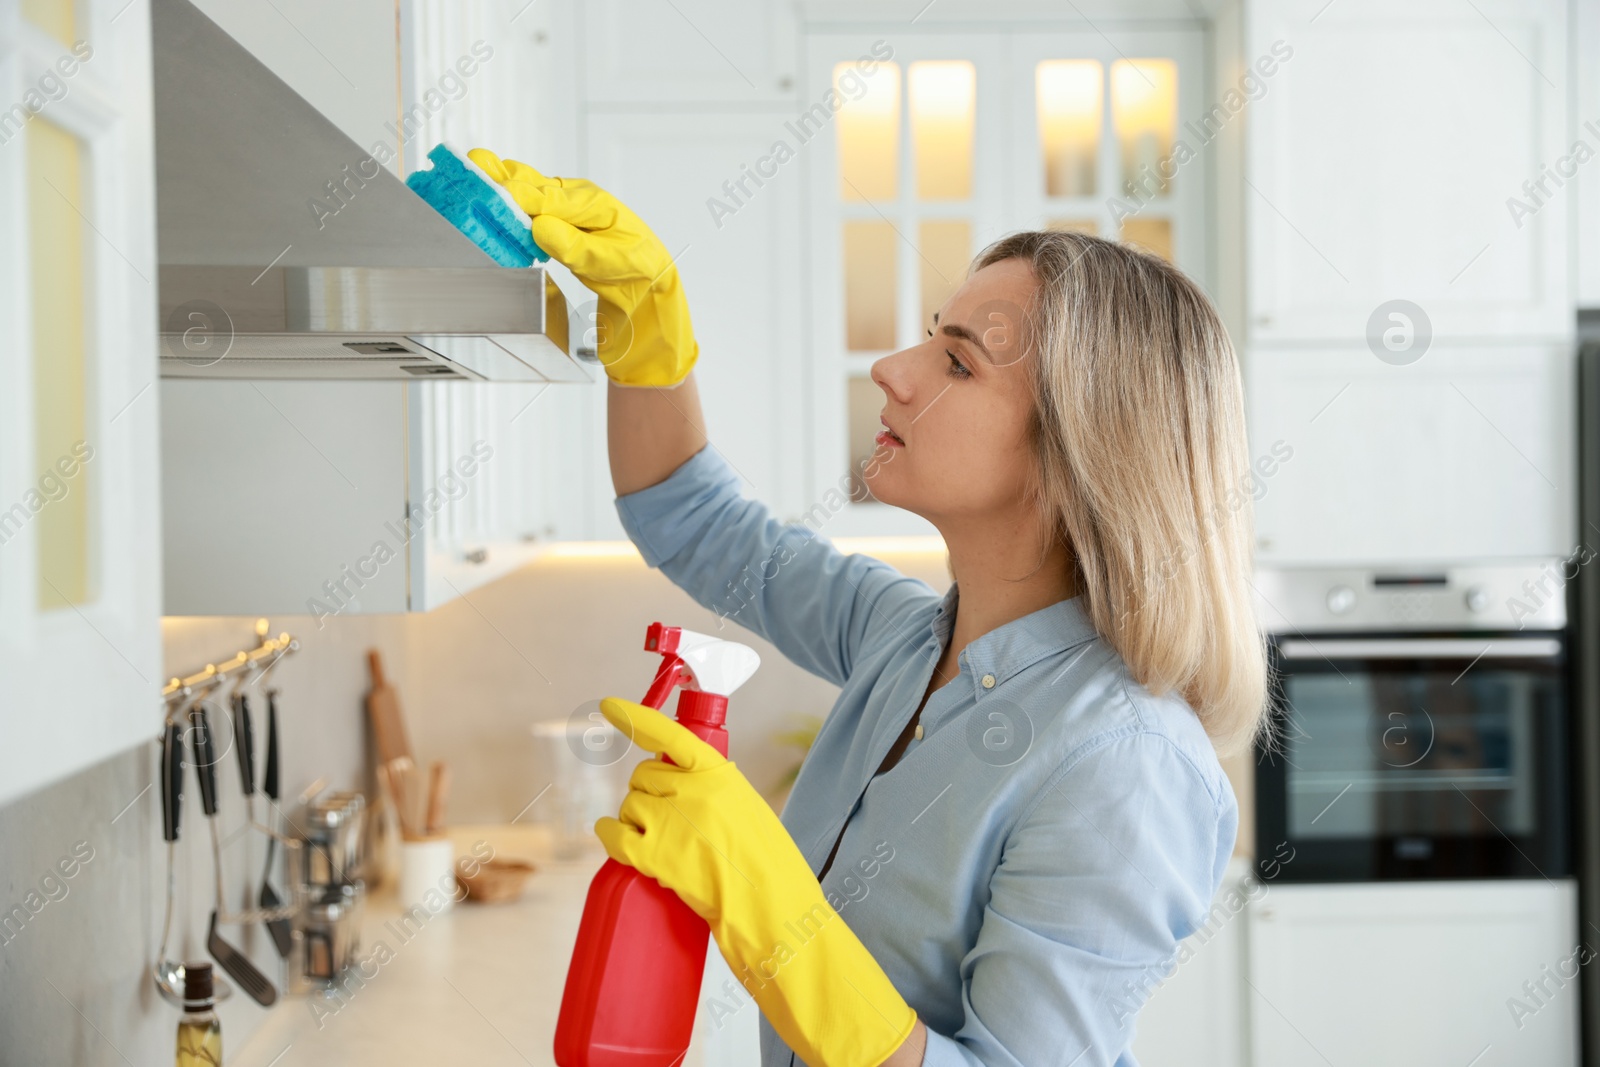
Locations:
(1412, 756)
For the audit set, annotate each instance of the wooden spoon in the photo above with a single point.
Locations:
(438, 792)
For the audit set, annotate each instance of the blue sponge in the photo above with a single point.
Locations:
(475, 204)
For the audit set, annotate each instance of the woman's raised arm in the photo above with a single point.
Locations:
(644, 338)
(651, 432)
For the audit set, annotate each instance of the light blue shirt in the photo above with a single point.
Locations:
(1025, 872)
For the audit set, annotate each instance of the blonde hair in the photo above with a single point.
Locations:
(1142, 451)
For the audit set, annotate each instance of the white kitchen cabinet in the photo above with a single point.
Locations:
(1419, 972)
(1196, 1017)
(689, 51)
(294, 497)
(80, 636)
(1382, 160)
(946, 142)
(741, 276)
(518, 103)
(1586, 197)
(1465, 454)
(877, 252)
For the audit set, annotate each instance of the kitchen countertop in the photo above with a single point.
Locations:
(478, 984)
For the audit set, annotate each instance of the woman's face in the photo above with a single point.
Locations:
(957, 406)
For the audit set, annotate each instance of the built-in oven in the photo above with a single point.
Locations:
(1420, 724)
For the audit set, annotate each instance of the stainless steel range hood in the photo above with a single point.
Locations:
(257, 281)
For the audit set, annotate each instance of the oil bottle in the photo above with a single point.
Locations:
(199, 1032)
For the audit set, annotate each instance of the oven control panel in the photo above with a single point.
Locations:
(1520, 596)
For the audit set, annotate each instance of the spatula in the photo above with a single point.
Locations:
(278, 928)
(236, 963)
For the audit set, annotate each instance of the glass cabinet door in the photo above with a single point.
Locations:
(80, 642)
(912, 187)
(943, 143)
(1112, 139)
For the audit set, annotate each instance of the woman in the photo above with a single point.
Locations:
(1015, 810)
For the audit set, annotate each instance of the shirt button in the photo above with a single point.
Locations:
(919, 731)
(988, 681)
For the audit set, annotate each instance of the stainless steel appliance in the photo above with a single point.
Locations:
(1422, 723)
(257, 284)
(1586, 663)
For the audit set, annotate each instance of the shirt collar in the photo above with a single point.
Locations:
(1020, 643)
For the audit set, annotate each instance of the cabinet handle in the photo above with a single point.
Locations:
(475, 555)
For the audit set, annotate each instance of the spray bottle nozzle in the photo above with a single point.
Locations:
(672, 672)
(659, 637)
(698, 663)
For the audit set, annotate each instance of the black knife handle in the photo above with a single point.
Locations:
(244, 736)
(171, 779)
(269, 777)
(205, 757)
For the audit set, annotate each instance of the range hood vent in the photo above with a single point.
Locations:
(256, 284)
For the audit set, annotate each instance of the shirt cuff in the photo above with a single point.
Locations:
(661, 519)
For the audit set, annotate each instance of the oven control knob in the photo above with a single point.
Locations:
(1341, 598)
(1477, 598)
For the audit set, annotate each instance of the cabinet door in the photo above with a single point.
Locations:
(1586, 46)
(1402, 974)
(741, 276)
(518, 103)
(709, 51)
(949, 142)
(1195, 1018)
(1386, 160)
(1466, 454)
(908, 182)
(80, 583)
(1098, 142)
(474, 475)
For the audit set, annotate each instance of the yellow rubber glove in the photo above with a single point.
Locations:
(700, 828)
(645, 337)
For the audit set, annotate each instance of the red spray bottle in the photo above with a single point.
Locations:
(641, 952)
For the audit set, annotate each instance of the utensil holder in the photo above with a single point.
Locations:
(428, 873)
